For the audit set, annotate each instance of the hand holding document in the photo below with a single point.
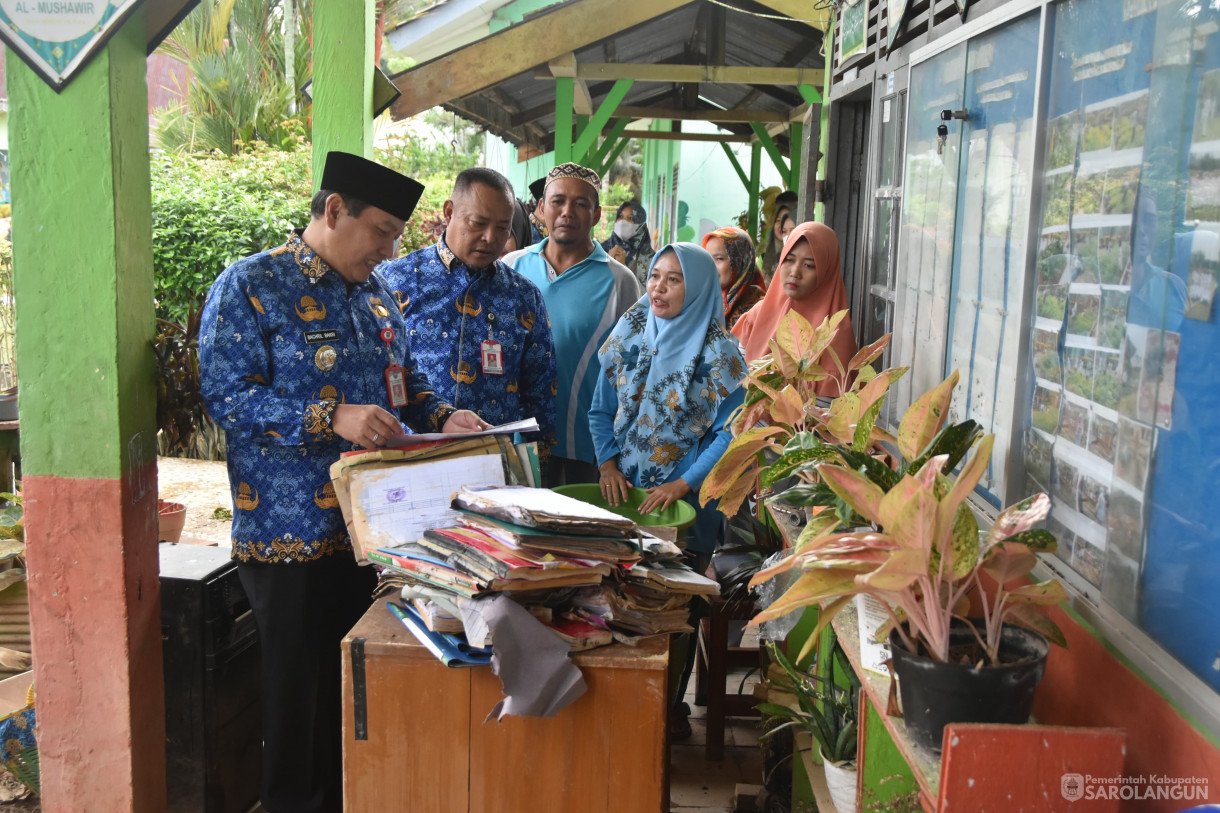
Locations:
(527, 425)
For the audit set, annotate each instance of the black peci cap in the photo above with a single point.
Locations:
(538, 188)
(372, 183)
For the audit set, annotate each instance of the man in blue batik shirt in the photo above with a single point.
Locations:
(293, 365)
(479, 332)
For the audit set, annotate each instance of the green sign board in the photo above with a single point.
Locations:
(853, 28)
(57, 38)
(897, 9)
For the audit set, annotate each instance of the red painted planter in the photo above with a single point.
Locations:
(171, 518)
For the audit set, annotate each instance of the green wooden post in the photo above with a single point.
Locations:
(564, 93)
(342, 80)
(599, 119)
(819, 209)
(796, 132)
(741, 173)
(614, 154)
(755, 174)
(768, 144)
(597, 159)
(82, 261)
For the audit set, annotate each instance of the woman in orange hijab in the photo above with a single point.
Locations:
(807, 280)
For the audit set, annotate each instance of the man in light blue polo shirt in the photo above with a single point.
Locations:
(585, 292)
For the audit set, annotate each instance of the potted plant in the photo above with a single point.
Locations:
(827, 714)
(921, 555)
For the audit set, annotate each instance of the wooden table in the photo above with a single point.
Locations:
(414, 737)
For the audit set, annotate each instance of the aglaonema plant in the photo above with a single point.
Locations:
(921, 554)
(780, 415)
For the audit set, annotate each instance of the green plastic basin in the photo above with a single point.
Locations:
(679, 515)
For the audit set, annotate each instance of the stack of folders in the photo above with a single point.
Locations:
(590, 575)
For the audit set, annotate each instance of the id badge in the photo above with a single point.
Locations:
(493, 358)
(396, 386)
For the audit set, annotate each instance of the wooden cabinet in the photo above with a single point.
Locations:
(414, 737)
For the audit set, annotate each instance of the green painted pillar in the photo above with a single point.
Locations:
(819, 209)
(565, 90)
(755, 177)
(82, 258)
(342, 80)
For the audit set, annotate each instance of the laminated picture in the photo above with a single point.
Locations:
(1106, 378)
(1133, 453)
(1065, 538)
(1131, 375)
(1038, 458)
(1125, 523)
(1065, 480)
(1103, 437)
(1131, 122)
(1074, 423)
(1045, 413)
(1201, 285)
(1163, 351)
(1112, 322)
(1092, 498)
(1203, 192)
(1052, 301)
(1087, 560)
(1078, 371)
(1046, 354)
(1064, 138)
(1118, 197)
(1207, 111)
(1053, 259)
(1120, 584)
(1114, 255)
(1084, 246)
(1087, 193)
(1083, 310)
(1057, 200)
(1098, 129)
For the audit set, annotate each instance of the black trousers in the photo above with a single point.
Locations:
(303, 610)
(564, 471)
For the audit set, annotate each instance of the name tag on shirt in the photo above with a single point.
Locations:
(320, 336)
(493, 358)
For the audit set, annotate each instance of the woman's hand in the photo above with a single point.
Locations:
(614, 486)
(663, 496)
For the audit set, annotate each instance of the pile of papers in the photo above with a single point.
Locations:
(591, 576)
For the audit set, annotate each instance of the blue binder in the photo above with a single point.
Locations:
(449, 649)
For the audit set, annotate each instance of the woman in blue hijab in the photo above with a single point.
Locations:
(631, 238)
(671, 377)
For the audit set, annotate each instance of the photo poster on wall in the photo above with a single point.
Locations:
(853, 28)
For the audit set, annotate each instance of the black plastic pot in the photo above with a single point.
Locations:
(935, 694)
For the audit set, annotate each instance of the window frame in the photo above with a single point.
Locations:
(1187, 692)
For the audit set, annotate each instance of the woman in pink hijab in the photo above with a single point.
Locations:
(807, 280)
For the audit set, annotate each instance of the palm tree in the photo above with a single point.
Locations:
(237, 91)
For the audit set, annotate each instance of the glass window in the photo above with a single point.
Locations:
(1123, 427)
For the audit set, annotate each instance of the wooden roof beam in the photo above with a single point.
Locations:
(716, 74)
(738, 115)
(521, 47)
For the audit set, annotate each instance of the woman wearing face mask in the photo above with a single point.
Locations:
(741, 283)
(630, 243)
(671, 376)
(807, 280)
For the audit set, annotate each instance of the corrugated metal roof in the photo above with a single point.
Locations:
(678, 37)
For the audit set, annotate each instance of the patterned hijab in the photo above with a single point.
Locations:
(670, 375)
(747, 286)
(757, 328)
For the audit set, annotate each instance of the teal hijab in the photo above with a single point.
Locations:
(671, 375)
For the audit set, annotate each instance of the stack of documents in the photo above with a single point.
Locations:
(589, 575)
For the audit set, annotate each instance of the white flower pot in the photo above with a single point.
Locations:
(841, 782)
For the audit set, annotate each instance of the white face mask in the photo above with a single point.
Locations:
(625, 229)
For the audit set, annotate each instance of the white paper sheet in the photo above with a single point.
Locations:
(527, 425)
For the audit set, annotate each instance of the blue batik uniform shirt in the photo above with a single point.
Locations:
(450, 310)
(282, 343)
